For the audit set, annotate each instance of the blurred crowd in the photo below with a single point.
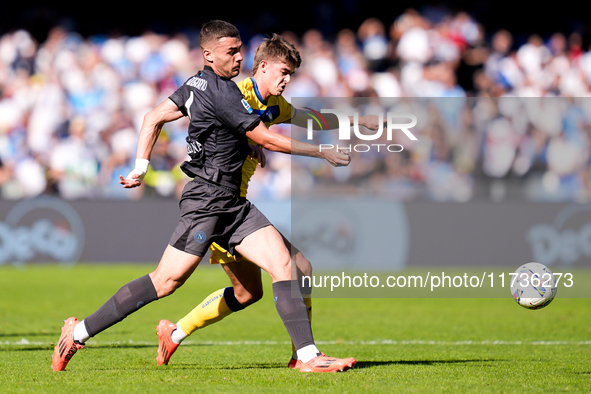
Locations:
(71, 109)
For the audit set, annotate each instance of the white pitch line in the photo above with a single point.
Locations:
(380, 342)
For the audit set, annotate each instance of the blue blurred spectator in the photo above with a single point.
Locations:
(71, 108)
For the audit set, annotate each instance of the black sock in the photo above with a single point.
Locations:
(128, 299)
(231, 300)
(293, 312)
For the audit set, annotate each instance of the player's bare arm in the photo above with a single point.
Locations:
(301, 116)
(281, 143)
(149, 133)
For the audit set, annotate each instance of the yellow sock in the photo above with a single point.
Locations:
(308, 302)
(212, 309)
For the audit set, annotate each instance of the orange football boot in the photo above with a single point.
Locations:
(323, 363)
(295, 364)
(166, 347)
(66, 346)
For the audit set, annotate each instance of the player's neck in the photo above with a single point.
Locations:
(262, 90)
(211, 67)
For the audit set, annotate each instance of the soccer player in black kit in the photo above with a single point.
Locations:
(221, 122)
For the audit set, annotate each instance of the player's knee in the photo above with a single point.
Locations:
(249, 297)
(165, 287)
(304, 266)
(255, 296)
(281, 270)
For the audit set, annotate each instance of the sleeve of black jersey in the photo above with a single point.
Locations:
(180, 98)
(234, 111)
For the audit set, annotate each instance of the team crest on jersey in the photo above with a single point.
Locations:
(246, 106)
(200, 237)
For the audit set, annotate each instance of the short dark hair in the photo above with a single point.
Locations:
(216, 29)
(276, 48)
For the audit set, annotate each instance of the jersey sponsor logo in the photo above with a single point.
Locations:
(246, 106)
(197, 83)
(200, 237)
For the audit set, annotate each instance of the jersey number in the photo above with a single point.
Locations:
(188, 105)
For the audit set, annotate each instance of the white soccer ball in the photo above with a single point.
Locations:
(533, 286)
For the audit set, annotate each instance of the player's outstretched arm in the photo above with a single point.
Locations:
(301, 117)
(281, 143)
(149, 132)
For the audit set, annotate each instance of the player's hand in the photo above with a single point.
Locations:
(256, 152)
(372, 122)
(135, 177)
(129, 183)
(337, 158)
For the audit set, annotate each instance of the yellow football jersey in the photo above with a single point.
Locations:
(274, 111)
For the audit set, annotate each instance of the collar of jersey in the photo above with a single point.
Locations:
(256, 90)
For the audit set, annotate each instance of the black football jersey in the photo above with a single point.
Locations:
(219, 118)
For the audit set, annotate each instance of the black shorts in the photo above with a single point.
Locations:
(212, 214)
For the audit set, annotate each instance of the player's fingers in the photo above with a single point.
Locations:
(263, 159)
(339, 162)
(344, 157)
(131, 185)
(259, 154)
(128, 183)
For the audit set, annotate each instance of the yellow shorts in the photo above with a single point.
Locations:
(220, 255)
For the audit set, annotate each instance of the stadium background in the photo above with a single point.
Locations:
(402, 344)
(69, 72)
(76, 82)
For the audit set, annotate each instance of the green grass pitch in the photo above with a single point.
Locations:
(402, 345)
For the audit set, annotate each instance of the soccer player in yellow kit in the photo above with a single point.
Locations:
(274, 63)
